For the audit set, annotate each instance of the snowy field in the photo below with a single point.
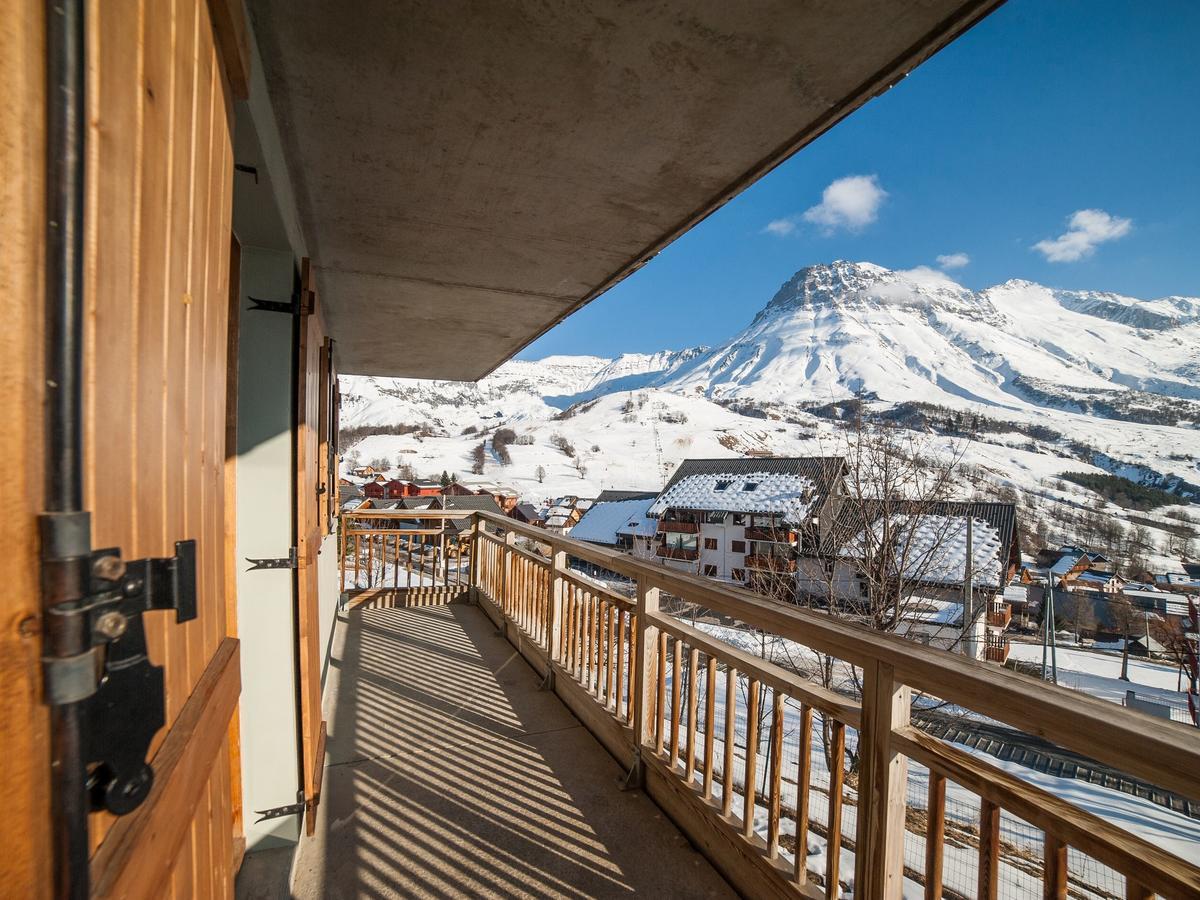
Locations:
(1099, 673)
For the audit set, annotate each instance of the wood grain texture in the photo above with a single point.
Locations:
(25, 865)
(309, 512)
(157, 292)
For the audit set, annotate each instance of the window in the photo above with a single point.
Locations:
(722, 485)
(750, 486)
(738, 574)
(710, 571)
(739, 518)
(738, 546)
(710, 543)
(714, 518)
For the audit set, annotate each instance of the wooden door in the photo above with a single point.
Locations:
(311, 486)
(157, 260)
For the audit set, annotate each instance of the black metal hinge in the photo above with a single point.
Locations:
(278, 812)
(279, 562)
(294, 306)
(101, 599)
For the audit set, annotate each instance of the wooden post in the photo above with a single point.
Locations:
(476, 542)
(879, 851)
(556, 604)
(502, 601)
(642, 677)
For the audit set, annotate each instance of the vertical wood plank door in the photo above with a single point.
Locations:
(311, 438)
(157, 292)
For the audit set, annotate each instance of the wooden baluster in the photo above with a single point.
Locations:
(593, 645)
(730, 737)
(935, 836)
(371, 559)
(660, 707)
(1137, 891)
(710, 712)
(1054, 878)
(689, 764)
(556, 606)
(775, 774)
(749, 787)
(837, 776)
(357, 555)
(573, 631)
(601, 648)
(803, 777)
(622, 661)
(676, 685)
(614, 657)
(408, 561)
(989, 849)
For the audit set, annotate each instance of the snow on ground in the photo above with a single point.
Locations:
(1099, 673)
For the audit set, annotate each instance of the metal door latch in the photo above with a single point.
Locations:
(279, 562)
(295, 306)
(122, 692)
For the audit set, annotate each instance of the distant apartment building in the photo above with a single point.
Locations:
(746, 520)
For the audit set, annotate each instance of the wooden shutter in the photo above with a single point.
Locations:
(310, 510)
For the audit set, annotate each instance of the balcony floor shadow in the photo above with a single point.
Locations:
(449, 774)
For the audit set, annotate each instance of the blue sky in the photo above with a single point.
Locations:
(1046, 108)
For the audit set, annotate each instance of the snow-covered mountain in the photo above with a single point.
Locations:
(1060, 380)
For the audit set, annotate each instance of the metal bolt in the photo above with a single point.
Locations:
(134, 586)
(111, 625)
(110, 568)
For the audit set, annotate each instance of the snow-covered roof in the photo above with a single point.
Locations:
(605, 521)
(933, 548)
(1065, 563)
(929, 611)
(789, 495)
(556, 521)
(560, 511)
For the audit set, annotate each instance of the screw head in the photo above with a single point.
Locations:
(110, 568)
(111, 625)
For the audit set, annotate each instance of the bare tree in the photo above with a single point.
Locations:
(478, 458)
(1078, 612)
(540, 474)
(1178, 639)
(1130, 622)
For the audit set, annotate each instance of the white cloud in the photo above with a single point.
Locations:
(953, 260)
(780, 227)
(1085, 229)
(851, 203)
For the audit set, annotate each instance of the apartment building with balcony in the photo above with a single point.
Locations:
(745, 520)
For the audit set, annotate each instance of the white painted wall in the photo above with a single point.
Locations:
(266, 605)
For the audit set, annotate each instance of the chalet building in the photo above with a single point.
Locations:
(528, 514)
(623, 524)
(213, 207)
(744, 520)
(928, 558)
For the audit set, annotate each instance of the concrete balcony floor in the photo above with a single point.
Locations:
(449, 773)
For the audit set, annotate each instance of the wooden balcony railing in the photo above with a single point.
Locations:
(665, 552)
(750, 758)
(770, 562)
(1000, 615)
(678, 527)
(769, 535)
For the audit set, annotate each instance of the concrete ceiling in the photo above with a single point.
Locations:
(467, 174)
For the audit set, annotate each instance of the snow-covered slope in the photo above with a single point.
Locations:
(1063, 380)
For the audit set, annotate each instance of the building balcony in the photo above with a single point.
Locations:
(667, 527)
(999, 616)
(447, 778)
(770, 535)
(997, 650)
(770, 563)
(681, 553)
